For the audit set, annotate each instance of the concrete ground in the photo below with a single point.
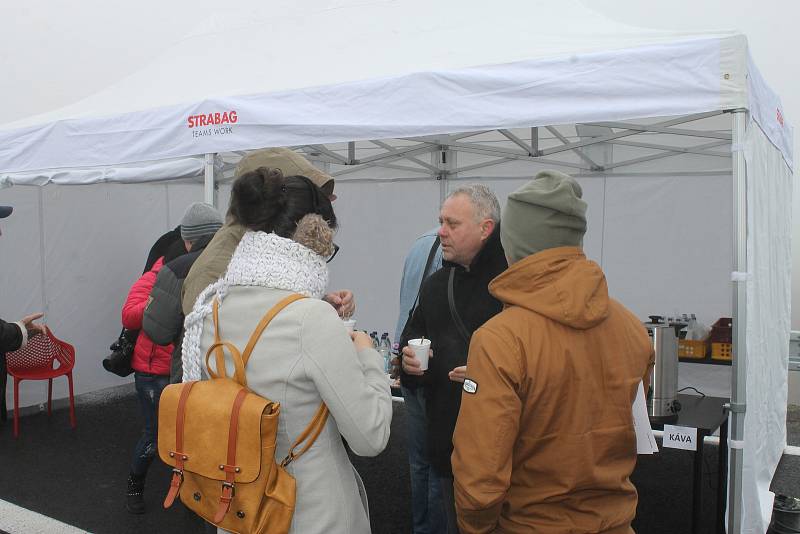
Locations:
(55, 479)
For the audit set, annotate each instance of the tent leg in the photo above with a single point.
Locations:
(209, 190)
(739, 369)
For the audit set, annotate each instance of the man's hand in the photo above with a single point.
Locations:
(342, 301)
(411, 365)
(458, 374)
(33, 328)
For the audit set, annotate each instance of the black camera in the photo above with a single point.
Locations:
(119, 361)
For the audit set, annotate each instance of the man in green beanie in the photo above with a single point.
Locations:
(544, 440)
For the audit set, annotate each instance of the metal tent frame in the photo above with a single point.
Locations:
(502, 146)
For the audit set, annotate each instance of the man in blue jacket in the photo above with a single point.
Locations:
(427, 514)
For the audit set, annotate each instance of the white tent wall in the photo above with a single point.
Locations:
(76, 258)
(90, 262)
(768, 282)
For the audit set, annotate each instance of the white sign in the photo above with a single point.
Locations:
(680, 437)
(645, 440)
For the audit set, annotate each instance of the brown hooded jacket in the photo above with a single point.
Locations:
(544, 441)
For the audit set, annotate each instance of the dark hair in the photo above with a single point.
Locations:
(264, 200)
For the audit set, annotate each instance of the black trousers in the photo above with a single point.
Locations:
(3, 381)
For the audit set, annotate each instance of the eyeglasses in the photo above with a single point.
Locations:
(333, 254)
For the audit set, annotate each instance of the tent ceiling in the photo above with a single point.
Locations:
(706, 136)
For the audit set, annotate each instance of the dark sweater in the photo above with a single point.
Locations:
(163, 317)
(432, 319)
(10, 336)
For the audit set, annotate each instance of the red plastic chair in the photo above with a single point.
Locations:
(45, 357)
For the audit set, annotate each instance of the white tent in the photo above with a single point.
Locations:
(682, 150)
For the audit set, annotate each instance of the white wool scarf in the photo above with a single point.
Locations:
(261, 259)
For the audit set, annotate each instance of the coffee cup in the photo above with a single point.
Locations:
(349, 324)
(421, 348)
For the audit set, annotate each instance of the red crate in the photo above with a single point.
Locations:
(722, 331)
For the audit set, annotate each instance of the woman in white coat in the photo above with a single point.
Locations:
(305, 356)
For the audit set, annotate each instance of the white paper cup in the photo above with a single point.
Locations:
(421, 348)
(349, 324)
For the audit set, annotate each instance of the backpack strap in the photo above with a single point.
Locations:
(254, 337)
(240, 359)
(310, 434)
(230, 468)
(453, 311)
(178, 454)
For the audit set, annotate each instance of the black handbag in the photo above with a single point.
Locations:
(119, 361)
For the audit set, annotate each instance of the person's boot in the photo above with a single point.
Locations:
(135, 496)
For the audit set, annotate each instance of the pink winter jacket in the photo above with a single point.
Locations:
(147, 356)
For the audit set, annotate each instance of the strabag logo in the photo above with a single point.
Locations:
(217, 123)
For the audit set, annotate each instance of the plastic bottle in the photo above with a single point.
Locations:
(374, 337)
(385, 350)
(396, 360)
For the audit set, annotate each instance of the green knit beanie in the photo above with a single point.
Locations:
(547, 212)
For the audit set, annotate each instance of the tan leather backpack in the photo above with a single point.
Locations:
(219, 438)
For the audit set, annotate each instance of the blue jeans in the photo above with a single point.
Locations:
(448, 502)
(148, 389)
(427, 512)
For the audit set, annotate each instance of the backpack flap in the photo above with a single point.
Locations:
(206, 426)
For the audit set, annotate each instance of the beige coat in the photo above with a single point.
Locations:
(305, 356)
(544, 441)
(211, 264)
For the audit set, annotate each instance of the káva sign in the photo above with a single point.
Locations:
(680, 437)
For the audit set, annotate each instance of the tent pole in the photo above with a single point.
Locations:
(445, 159)
(739, 369)
(42, 254)
(209, 193)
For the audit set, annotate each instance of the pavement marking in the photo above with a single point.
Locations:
(791, 450)
(17, 520)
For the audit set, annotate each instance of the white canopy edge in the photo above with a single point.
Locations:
(151, 171)
(673, 79)
(767, 110)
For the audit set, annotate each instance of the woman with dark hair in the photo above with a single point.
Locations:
(305, 356)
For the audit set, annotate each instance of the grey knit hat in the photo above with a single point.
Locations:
(547, 212)
(200, 220)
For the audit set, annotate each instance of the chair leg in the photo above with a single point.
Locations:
(16, 407)
(49, 397)
(71, 402)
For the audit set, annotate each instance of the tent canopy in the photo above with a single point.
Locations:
(346, 71)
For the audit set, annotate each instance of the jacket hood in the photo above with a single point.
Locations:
(559, 283)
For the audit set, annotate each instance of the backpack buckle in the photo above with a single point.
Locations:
(228, 491)
(289, 459)
(174, 487)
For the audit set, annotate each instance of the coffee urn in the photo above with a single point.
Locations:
(662, 404)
